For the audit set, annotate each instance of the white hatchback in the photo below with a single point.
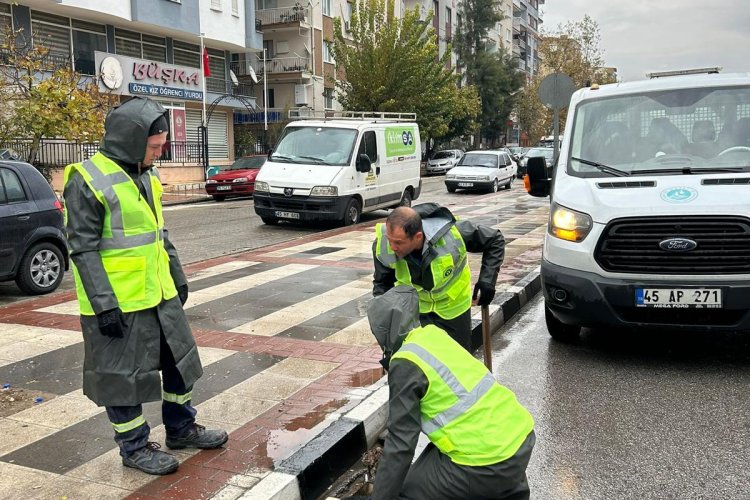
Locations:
(482, 170)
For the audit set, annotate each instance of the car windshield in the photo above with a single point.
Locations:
(548, 153)
(442, 154)
(479, 160)
(672, 132)
(316, 145)
(245, 163)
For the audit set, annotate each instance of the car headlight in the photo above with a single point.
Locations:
(486, 178)
(324, 191)
(568, 224)
(211, 181)
(240, 179)
(261, 186)
(450, 177)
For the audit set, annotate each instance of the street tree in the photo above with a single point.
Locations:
(393, 64)
(42, 97)
(495, 74)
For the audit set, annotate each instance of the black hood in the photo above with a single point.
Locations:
(436, 221)
(126, 130)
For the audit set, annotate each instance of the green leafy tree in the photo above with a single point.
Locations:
(496, 75)
(42, 97)
(393, 64)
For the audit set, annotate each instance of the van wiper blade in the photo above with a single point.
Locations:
(687, 170)
(280, 157)
(313, 158)
(604, 168)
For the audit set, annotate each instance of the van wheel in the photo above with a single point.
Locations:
(271, 221)
(405, 199)
(559, 330)
(218, 197)
(41, 269)
(352, 213)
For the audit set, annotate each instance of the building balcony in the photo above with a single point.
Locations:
(292, 16)
(227, 87)
(275, 115)
(293, 65)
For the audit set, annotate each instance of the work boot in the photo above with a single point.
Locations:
(198, 437)
(151, 461)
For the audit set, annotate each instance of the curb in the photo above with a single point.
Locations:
(310, 471)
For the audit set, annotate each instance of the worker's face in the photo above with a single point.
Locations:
(400, 243)
(154, 147)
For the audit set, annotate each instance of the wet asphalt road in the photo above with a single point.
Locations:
(631, 414)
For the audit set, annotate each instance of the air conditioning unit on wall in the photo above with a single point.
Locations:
(300, 95)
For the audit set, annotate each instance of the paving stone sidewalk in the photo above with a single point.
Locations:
(283, 337)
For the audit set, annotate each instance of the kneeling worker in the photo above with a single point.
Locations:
(481, 437)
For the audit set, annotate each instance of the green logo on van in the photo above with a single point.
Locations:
(400, 141)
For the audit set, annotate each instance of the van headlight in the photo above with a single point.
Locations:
(261, 186)
(324, 191)
(568, 224)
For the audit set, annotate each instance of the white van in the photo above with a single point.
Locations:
(334, 169)
(650, 207)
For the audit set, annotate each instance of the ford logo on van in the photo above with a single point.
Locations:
(678, 245)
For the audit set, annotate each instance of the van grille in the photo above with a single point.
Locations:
(632, 245)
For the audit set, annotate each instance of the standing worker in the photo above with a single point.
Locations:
(425, 247)
(480, 436)
(131, 291)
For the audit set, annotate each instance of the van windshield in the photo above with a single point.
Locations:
(673, 132)
(315, 145)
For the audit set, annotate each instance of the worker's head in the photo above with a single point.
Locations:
(392, 316)
(403, 228)
(135, 132)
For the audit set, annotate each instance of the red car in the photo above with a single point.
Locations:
(237, 179)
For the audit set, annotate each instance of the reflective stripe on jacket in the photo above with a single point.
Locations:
(465, 412)
(451, 294)
(132, 239)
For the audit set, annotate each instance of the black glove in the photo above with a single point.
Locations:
(486, 293)
(111, 323)
(182, 292)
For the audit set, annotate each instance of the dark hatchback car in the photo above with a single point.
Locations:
(33, 250)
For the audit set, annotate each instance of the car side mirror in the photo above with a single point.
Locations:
(363, 163)
(536, 180)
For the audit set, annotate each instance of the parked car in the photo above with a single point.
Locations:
(443, 161)
(482, 170)
(547, 153)
(237, 179)
(33, 249)
(516, 152)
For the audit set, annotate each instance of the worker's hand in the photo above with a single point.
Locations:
(182, 292)
(483, 294)
(111, 323)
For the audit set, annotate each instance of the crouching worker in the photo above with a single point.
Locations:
(481, 437)
(131, 289)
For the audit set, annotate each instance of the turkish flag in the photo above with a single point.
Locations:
(206, 68)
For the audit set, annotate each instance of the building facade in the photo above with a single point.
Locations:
(155, 48)
(527, 21)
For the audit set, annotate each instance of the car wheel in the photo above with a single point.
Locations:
(219, 197)
(271, 221)
(510, 182)
(559, 330)
(495, 187)
(41, 269)
(352, 213)
(405, 199)
(451, 189)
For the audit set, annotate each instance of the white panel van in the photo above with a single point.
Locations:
(650, 207)
(334, 169)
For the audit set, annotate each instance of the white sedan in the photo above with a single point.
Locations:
(482, 170)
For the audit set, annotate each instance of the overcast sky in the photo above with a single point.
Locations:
(638, 36)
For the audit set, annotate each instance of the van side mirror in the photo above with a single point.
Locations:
(536, 180)
(270, 152)
(363, 163)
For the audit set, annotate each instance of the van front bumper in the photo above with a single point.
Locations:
(300, 208)
(593, 301)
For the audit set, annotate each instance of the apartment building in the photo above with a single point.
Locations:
(140, 43)
(527, 20)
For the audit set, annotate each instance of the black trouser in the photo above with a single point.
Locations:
(132, 430)
(459, 328)
(435, 477)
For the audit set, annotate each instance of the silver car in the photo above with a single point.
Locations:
(443, 161)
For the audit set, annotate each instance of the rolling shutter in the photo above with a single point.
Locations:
(218, 138)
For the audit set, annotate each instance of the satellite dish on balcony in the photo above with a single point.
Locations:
(252, 74)
(235, 81)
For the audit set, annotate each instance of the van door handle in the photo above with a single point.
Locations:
(24, 217)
